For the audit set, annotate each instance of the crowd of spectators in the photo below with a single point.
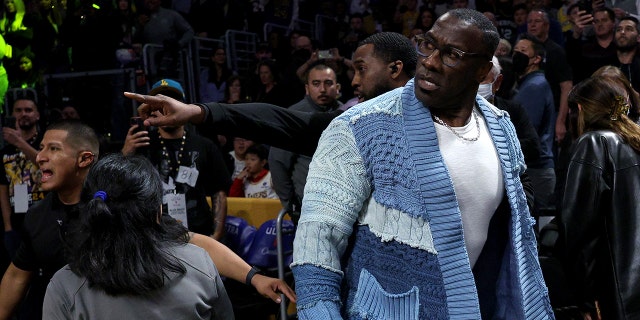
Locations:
(53, 36)
(546, 46)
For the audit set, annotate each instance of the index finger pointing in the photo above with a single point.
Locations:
(134, 96)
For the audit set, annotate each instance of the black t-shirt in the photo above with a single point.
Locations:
(556, 68)
(41, 251)
(199, 153)
(16, 168)
(632, 71)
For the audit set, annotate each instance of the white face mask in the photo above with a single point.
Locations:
(486, 90)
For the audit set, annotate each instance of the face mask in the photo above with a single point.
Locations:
(520, 62)
(486, 90)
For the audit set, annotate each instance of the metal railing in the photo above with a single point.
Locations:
(130, 74)
(241, 48)
(159, 63)
(281, 267)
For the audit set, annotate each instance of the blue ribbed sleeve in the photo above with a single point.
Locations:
(318, 292)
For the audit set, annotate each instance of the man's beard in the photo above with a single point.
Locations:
(27, 126)
(379, 89)
(629, 47)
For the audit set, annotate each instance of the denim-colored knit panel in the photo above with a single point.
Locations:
(391, 224)
(398, 269)
(322, 310)
(373, 302)
(314, 283)
(527, 285)
(378, 130)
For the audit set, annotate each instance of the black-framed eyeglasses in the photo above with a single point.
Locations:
(450, 56)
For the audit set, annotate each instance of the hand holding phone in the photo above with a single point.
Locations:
(139, 122)
(135, 141)
(12, 136)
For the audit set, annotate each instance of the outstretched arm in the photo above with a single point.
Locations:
(172, 112)
(295, 131)
(232, 266)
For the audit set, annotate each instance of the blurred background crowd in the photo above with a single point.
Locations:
(85, 53)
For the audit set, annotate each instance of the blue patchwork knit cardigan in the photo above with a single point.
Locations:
(380, 236)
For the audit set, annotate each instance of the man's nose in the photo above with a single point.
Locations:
(40, 157)
(355, 82)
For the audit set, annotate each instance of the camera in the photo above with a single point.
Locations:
(324, 54)
(137, 121)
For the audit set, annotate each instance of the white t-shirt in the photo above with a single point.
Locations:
(477, 179)
(262, 188)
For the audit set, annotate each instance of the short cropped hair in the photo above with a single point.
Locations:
(490, 35)
(630, 18)
(259, 150)
(538, 47)
(79, 135)
(392, 46)
(317, 65)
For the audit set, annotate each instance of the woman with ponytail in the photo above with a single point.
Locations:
(126, 261)
(600, 217)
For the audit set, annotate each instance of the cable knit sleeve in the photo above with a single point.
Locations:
(336, 189)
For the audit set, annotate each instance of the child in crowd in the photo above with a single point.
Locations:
(254, 181)
(235, 161)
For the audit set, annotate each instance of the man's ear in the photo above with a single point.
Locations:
(396, 68)
(86, 158)
(537, 60)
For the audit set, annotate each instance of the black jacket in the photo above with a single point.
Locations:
(600, 225)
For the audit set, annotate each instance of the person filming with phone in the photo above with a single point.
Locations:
(191, 167)
(19, 179)
(331, 56)
(587, 55)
